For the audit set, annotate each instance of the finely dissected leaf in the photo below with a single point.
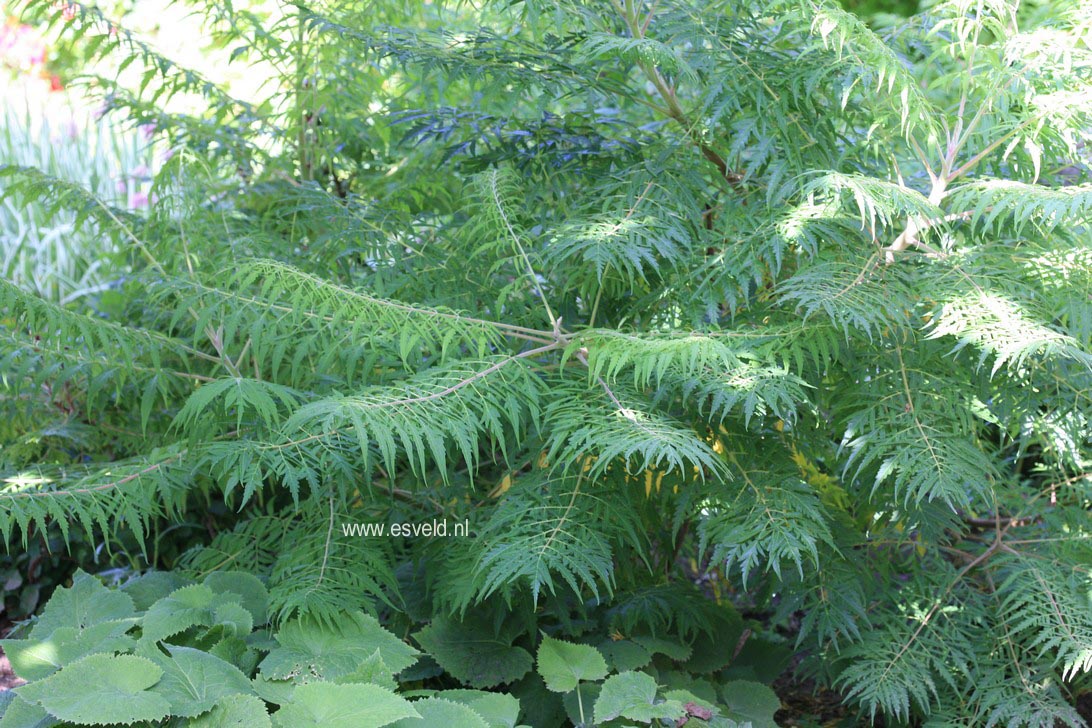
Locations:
(234, 711)
(547, 531)
(1051, 608)
(497, 709)
(34, 659)
(101, 689)
(633, 695)
(779, 519)
(239, 396)
(84, 604)
(324, 705)
(751, 701)
(613, 282)
(310, 649)
(563, 665)
(440, 712)
(193, 681)
(473, 652)
(614, 424)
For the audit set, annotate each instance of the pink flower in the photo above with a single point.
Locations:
(147, 131)
(140, 172)
(138, 200)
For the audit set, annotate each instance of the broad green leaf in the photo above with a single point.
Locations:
(751, 701)
(625, 655)
(251, 591)
(497, 709)
(473, 653)
(20, 713)
(195, 606)
(311, 649)
(84, 604)
(231, 617)
(151, 586)
(437, 712)
(760, 660)
(372, 670)
(710, 655)
(703, 689)
(564, 664)
(580, 702)
(325, 705)
(234, 711)
(34, 659)
(278, 692)
(658, 646)
(687, 698)
(633, 695)
(236, 651)
(101, 689)
(538, 705)
(193, 681)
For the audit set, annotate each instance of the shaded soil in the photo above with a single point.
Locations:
(804, 705)
(7, 677)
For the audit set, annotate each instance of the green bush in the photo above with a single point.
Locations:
(689, 311)
(162, 647)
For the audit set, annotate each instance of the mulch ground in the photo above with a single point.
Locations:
(7, 677)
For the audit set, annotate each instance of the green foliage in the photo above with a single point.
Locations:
(126, 667)
(309, 650)
(99, 690)
(343, 706)
(674, 306)
(474, 653)
(563, 666)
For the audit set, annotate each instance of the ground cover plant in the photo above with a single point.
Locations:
(738, 337)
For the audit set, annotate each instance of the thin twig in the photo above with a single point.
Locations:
(519, 247)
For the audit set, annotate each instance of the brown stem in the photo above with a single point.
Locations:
(674, 110)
